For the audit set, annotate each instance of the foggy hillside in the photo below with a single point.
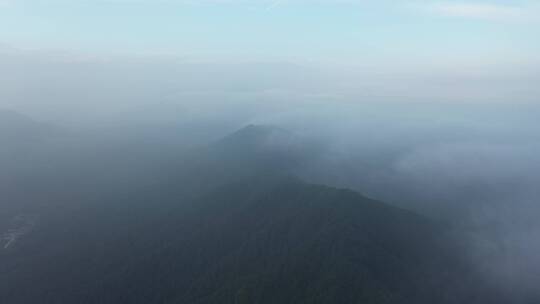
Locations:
(269, 151)
(119, 246)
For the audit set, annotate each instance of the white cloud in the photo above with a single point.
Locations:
(485, 11)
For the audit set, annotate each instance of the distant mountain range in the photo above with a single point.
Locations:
(232, 224)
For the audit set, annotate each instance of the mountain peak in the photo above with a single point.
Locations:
(260, 137)
(253, 130)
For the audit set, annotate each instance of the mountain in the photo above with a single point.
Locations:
(259, 138)
(28, 148)
(15, 126)
(262, 147)
(252, 235)
(257, 241)
(255, 150)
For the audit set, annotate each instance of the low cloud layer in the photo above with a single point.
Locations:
(81, 86)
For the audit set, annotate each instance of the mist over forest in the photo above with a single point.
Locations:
(290, 162)
(470, 165)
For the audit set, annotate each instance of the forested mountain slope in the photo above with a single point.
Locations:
(233, 226)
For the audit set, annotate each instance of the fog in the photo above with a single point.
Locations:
(459, 145)
(76, 87)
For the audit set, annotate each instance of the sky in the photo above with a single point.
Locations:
(346, 32)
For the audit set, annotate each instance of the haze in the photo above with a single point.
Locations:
(429, 106)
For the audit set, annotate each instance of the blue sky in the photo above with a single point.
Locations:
(344, 32)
